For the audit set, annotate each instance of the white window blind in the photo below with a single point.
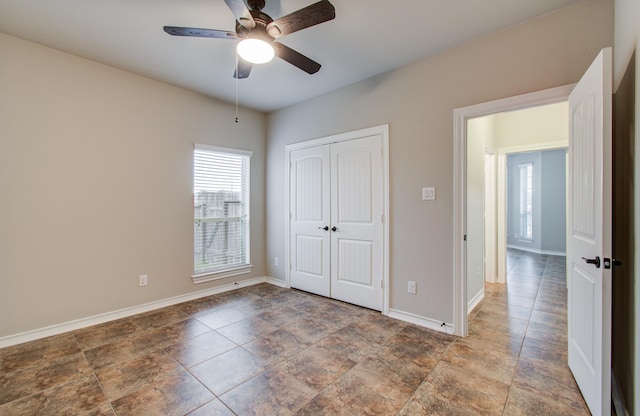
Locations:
(221, 209)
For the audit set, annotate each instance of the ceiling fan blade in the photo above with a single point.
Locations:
(312, 15)
(242, 13)
(200, 33)
(243, 70)
(308, 65)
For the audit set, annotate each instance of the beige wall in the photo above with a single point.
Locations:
(626, 41)
(95, 185)
(533, 126)
(418, 101)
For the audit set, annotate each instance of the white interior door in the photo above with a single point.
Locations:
(310, 220)
(589, 282)
(357, 222)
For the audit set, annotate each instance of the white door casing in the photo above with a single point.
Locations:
(309, 208)
(490, 248)
(460, 118)
(356, 220)
(589, 313)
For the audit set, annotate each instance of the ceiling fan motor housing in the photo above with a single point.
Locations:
(259, 31)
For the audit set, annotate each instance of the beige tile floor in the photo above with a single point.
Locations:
(263, 350)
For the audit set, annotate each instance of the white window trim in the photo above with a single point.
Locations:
(222, 149)
(212, 275)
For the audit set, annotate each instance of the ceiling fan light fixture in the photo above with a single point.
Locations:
(256, 51)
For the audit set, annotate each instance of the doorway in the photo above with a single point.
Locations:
(462, 117)
(532, 190)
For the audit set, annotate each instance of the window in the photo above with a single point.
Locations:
(526, 201)
(220, 213)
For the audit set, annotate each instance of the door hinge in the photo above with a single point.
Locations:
(465, 237)
(382, 218)
(381, 284)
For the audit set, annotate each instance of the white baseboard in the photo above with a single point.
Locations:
(421, 321)
(126, 312)
(277, 282)
(534, 250)
(475, 301)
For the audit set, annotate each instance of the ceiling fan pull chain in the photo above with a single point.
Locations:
(236, 55)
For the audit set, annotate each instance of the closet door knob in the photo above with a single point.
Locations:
(334, 228)
(326, 228)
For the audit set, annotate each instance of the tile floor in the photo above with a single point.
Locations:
(263, 350)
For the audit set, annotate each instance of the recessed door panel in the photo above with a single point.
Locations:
(309, 202)
(309, 255)
(355, 262)
(355, 193)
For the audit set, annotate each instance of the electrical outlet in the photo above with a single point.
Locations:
(276, 261)
(412, 287)
(143, 280)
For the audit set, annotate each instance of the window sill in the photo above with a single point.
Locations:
(216, 275)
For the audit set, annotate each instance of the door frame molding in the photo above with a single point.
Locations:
(460, 117)
(490, 229)
(383, 131)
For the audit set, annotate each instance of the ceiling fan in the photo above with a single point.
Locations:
(258, 31)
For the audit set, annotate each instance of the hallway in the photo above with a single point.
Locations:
(522, 326)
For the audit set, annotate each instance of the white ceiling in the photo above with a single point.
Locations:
(368, 37)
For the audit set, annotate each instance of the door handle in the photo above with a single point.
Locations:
(334, 228)
(595, 262)
(326, 228)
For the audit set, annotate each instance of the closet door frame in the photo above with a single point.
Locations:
(383, 132)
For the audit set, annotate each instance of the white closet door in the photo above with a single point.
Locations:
(356, 221)
(310, 220)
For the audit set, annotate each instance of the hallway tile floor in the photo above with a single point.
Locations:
(264, 350)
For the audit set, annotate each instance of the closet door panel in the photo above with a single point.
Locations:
(309, 223)
(356, 220)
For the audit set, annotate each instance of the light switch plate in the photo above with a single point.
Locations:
(429, 194)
